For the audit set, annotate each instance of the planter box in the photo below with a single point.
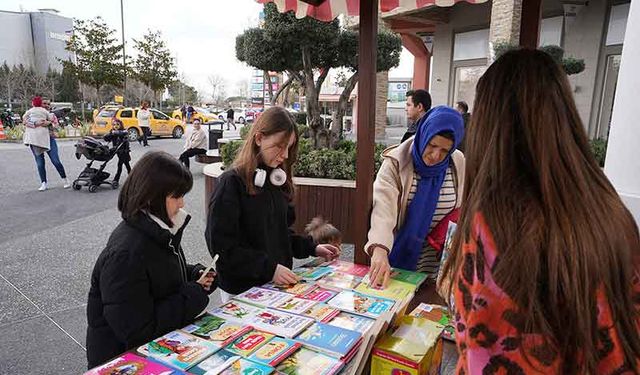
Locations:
(331, 199)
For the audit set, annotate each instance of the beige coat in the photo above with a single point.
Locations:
(391, 192)
(197, 139)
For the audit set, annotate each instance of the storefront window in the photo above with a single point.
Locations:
(466, 79)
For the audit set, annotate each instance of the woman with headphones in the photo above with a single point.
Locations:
(251, 211)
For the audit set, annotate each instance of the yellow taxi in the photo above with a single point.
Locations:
(202, 114)
(161, 124)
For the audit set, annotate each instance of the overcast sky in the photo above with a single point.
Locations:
(200, 33)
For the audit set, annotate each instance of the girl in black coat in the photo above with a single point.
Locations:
(250, 213)
(142, 286)
(120, 139)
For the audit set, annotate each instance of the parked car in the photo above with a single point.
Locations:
(161, 124)
(202, 114)
(239, 115)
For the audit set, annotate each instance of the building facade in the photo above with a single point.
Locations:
(36, 39)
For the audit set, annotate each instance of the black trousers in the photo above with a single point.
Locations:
(184, 157)
(122, 161)
(146, 131)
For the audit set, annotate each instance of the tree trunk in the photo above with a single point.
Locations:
(313, 106)
(284, 86)
(267, 81)
(338, 115)
(285, 100)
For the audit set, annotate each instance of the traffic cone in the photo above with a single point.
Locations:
(2, 135)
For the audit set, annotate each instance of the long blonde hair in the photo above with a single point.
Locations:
(273, 120)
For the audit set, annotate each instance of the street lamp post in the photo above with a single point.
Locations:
(124, 56)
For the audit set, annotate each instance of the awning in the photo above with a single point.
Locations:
(330, 9)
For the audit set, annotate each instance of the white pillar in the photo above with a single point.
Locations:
(623, 153)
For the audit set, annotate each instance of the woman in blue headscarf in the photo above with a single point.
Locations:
(419, 185)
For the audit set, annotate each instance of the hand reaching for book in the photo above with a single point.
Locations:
(328, 252)
(380, 268)
(284, 276)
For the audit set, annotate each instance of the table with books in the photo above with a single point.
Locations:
(331, 322)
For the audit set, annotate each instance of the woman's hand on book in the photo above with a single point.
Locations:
(380, 268)
(328, 252)
(206, 280)
(284, 276)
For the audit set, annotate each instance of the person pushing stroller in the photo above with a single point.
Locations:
(119, 137)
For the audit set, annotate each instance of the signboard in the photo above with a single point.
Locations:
(257, 101)
(118, 99)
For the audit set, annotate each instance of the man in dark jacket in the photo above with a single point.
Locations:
(231, 118)
(418, 103)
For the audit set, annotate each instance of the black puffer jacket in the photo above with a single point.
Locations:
(141, 288)
(119, 138)
(251, 233)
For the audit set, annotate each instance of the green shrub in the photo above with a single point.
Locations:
(301, 117)
(85, 129)
(16, 133)
(571, 65)
(599, 149)
(244, 131)
(228, 152)
(303, 130)
(556, 52)
(61, 133)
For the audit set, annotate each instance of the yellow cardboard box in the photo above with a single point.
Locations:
(413, 348)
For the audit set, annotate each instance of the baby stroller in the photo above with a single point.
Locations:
(94, 150)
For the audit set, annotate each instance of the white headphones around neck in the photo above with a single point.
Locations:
(277, 177)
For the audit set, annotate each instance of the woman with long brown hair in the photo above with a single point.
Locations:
(251, 210)
(544, 261)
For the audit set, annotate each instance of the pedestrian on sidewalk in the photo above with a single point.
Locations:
(230, 119)
(190, 113)
(418, 104)
(251, 211)
(196, 144)
(120, 139)
(40, 137)
(144, 122)
(141, 284)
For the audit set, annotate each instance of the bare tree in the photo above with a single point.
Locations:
(243, 88)
(217, 84)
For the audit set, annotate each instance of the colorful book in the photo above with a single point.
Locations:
(317, 262)
(215, 364)
(438, 314)
(351, 321)
(446, 249)
(246, 367)
(349, 268)
(340, 280)
(263, 297)
(358, 303)
(296, 305)
(217, 330)
(320, 294)
(249, 343)
(409, 277)
(280, 323)
(178, 349)
(300, 288)
(132, 364)
(309, 362)
(275, 351)
(321, 312)
(312, 274)
(330, 340)
(235, 311)
(395, 290)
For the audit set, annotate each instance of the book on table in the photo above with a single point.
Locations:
(395, 290)
(248, 343)
(275, 351)
(178, 349)
(309, 362)
(410, 277)
(296, 305)
(235, 311)
(439, 314)
(217, 330)
(331, 340)
(358, 270)
(244, 366)
(263, 297)
(340, 280)
(320, 294)
(302, 287)
(351, 321)
(132, 364)
(313, 273)
(321, 312)
(215, 363)
(363, 304)
(280, 323)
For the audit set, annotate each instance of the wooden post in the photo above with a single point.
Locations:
(530, 23)
(368, 49)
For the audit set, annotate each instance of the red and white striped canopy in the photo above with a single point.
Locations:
(331, 9)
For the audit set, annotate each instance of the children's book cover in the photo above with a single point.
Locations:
(296, 305)
(235, 311)
(363, 304)
(340, 280)
(216, 330)
(280, 323)
(178, 349)
(309, 362)
(358, 270)
(321, 312)
(249, 343)
(410, 277)
(351, 321)
(331, 340)
(275, 351)
(263, 297)
(320, 294)
(395, 290)
(246, 367)
(439, 314)
(300, 288)
(131, 364)
(215, 364)
(312, 274)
